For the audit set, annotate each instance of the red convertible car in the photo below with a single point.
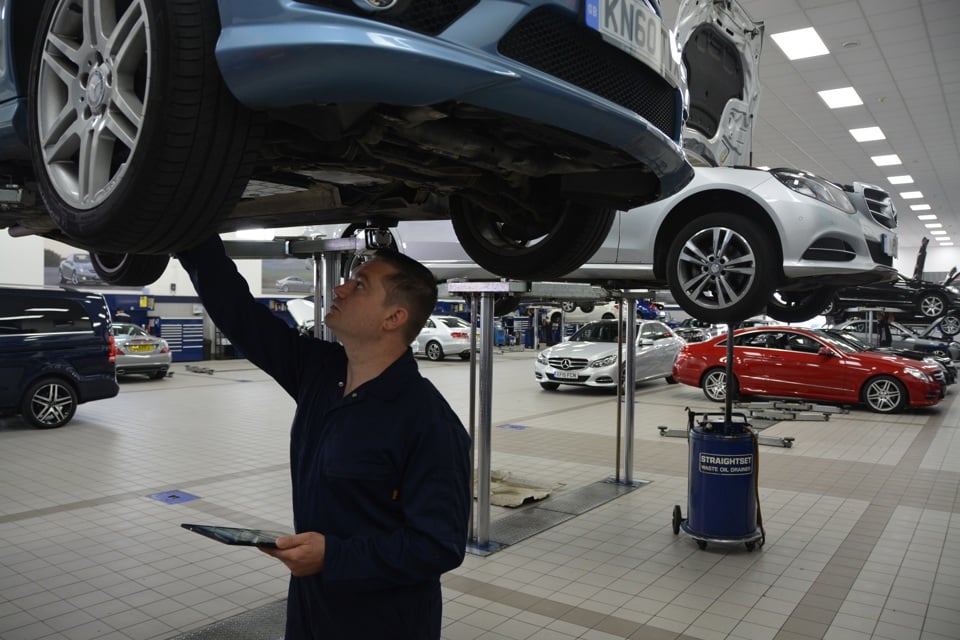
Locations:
(790, 362)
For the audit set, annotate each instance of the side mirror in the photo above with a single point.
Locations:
(824, 351)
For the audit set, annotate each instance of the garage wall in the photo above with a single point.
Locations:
(21, 260)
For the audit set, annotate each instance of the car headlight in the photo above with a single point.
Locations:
(815, 187)
(952, 289)
(916, 373)
(604, 362)
(541, 358)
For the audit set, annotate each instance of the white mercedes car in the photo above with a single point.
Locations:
(589, 358)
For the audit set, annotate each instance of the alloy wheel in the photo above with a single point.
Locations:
(884, 395)
(52, 404)
(92, 93)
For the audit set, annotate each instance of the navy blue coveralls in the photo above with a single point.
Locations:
(382, 473)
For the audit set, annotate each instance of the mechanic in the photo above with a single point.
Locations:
(379, 460)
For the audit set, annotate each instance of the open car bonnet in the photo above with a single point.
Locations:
(721, 51)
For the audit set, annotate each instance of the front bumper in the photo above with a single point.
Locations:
(822, 243)
(601, 377)
(279, 53)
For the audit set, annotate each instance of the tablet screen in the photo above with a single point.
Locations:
(236, 535)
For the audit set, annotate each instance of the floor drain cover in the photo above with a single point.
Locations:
(173, 497)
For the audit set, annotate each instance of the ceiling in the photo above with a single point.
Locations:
(903, 59)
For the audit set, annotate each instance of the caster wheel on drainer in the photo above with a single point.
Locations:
(750, 545)
(677, 519)
(702, 544)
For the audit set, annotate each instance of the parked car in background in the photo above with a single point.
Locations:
(735, 240)
(709, 329)
(432, 110)
(901, 337)
(589, 358)
(295, 283)
(443, 336)
(77, 269)
(56, 352)
(945, 362)
(787, 362)
(140, 352)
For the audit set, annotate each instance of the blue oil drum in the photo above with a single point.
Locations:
(722, 497)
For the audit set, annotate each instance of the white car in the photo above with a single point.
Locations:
(734, 241)
(443, 336)
(589, 357)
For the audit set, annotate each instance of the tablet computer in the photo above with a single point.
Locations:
(237, 535)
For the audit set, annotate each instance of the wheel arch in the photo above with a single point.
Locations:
(61, 375)
(703, 202)
(24, 23)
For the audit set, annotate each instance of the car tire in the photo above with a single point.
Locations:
(49, 403)
(568, 307)
(884, 394)
(608, 316)
(550, 386)
(74, 279)
(129, 270)
(940, 352)
(433, 351)
(153, 160)
(714, 384)
(587, 307)
(532, 251)
(671, 380)
(932, 304)
(702, 281)
(799, 306)
(284, 288)
(158, 375)
(950, 325)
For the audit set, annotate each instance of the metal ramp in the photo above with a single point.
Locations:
(541, 516)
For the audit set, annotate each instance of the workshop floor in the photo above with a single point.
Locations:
(862, 536)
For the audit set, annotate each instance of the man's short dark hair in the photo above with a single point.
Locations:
(412, 287)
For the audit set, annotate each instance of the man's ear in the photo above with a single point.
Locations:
(396, 319)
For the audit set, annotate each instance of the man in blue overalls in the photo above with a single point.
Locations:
(379, 461)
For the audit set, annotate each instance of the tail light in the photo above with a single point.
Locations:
(164, 347)
(112, 350)
(460, 335)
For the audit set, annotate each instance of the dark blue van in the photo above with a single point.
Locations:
(56, 351)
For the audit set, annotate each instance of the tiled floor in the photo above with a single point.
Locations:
(862, 540)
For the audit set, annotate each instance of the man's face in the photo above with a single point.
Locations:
(358, 307)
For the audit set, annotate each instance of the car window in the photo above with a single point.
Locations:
(802, 343)
(455, 323)
(596, 332)
(31, 314)
(429, 325)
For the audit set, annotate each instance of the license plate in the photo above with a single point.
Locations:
(889, 244)
(140, 348)
(565, 375)
(631, 26)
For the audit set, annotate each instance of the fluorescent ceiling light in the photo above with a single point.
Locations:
(945, 242)
(928, 216)
(919, 207)
(938, 233)
(800, 43)
(911, 195)
(839, 98)
(885, 161)
(933, 225)
(867, 134)
(900, 179)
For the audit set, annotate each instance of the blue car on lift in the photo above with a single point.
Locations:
(146, 125)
